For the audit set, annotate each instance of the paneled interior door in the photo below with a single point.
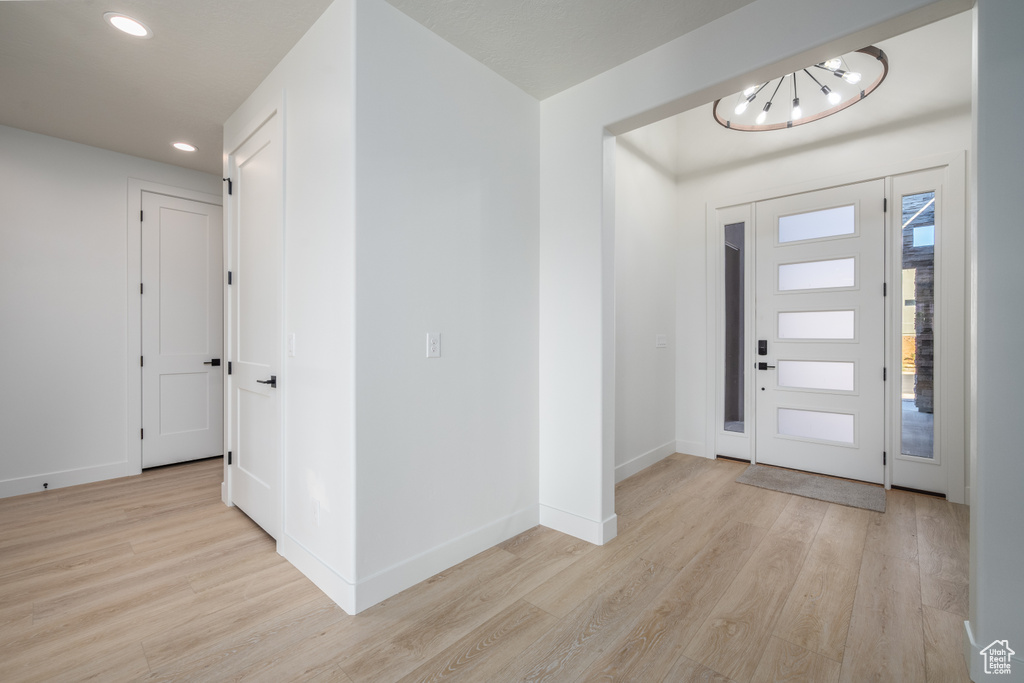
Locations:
(820, 316)
(255, 324)
(182, 330)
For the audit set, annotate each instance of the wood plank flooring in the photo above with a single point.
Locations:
(152, 578)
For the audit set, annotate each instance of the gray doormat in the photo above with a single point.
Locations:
(840, 491)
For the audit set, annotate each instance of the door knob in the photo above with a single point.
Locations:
(215, 362)
(272, 381)
(764, 366)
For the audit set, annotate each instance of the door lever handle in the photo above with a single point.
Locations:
(272, 381)
(215, 362)
(764, 366)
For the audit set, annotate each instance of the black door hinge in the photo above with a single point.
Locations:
(229, 367)
(885, 204)
(885, 374)
(885, 289)
(140, 215)
(229, 277)
(229, 184)
(140, 288)
(141, 434)
(142, 362)
(229, 457)
(883, 458)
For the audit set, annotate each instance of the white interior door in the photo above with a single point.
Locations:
(255, 326)
(182, 330)
(820, 316)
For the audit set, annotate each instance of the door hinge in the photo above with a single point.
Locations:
(229, 457)
(229, 367)
(141, 434)
(885, 374)
(885, 289)
(885, 204)
(229, 277)
(140, 215)
(883, 458)
(229, 184)
(140, 288)
(142, 362)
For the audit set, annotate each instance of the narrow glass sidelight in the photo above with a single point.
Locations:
(917, 434)
(735, 363)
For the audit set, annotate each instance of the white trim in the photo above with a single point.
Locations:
(643, 461)
(335, 586)
(694, 448)
(57, 480)
(587, 530)
(136, 186)
(409, 572)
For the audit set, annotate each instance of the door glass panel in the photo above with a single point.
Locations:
(812, 424)
(812, 374)
(734, 333)
(816, 325)
(817, 274)
(918, 353)
(817, 224)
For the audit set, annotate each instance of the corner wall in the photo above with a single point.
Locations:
(645, 303)
(447, 206)
(63, 295)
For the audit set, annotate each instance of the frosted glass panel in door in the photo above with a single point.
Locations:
(812, 424)
(810, 374)
(830, 274)
(816, 325)
(817, 224)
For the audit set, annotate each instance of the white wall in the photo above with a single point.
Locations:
(63, 299)
(867, 153)
(576, 243)
(447, 242)
(645, 302)
(314, 86)
(997, 535)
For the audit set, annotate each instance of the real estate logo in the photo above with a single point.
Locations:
(997, 657)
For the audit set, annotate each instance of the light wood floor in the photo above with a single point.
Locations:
(152, 578)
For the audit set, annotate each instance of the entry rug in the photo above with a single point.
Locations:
(840, 491)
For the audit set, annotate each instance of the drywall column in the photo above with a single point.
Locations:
(577, 403)
(997, 535)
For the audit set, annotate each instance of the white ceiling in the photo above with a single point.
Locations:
(64, 72)
(929, 77)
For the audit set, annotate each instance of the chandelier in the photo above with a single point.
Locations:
(805, 95)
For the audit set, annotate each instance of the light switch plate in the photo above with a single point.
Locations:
(661, 341)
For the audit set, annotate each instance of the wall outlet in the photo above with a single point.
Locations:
(433, 344)
(661, 341)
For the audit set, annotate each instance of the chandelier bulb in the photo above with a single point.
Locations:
(852, 77)
(741, 107)
(834, 98)
(833, 64)
(750, 91)
(797, 112)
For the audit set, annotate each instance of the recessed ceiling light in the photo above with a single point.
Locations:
(132, 27)
(184, 147)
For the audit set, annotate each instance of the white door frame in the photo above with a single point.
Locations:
(136, 187)
(954, 165)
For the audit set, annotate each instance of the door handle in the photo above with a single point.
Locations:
(272, 381)
(215, 362)
(764, 366)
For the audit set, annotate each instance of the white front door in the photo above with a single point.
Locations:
(820, 315)
(255, 325)
(182, 330)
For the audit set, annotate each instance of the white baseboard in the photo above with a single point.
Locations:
(642, 462)
(334, 585)
(976, 661)
(584, 529)
(59, 480)
(395, 579)
(693, 448)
